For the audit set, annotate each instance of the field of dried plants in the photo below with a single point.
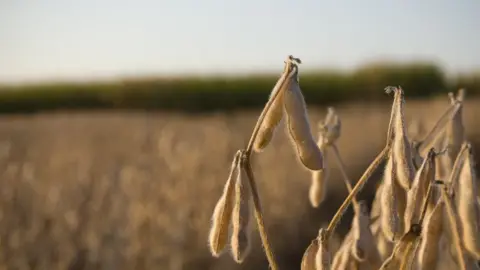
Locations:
(136, 190)
(118, 190)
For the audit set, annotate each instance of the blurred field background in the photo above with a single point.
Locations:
(118, 121)
(229, 93)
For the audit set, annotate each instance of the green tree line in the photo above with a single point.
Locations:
(419, 80)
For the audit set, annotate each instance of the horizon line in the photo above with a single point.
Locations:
(239, 73)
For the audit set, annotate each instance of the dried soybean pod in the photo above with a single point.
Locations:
(274, 113)
(223, 213)
(417, 159)
(403, 249)
(376, 204)
(428, 254)
(364, 243)
(240, 239)
(322, 258)
(318, 186)
(330, 129)
(375, 226)
(384, 246)
(453, 229)
(401, 203)
(467, 205)
(308, 259)
(343, 259)
(438, 129)
(393, 113)
(416, 129)
(408, 260)
(402, 152)
(298, 125)
(455, 130)
(389, 216)
(418, 191)
(339, 258)
(453, 181)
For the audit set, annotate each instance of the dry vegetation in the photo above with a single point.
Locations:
(426, 210)
(137, 191)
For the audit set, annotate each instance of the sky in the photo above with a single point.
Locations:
(43, 40)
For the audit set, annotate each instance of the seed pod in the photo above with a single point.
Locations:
(431, 235)
(376, 204)
(344, 247)
(389, 216)
(445, 164)
(384, 246)
(308, 259)
(417, 158)
(418, 191)
(340, 260)
(451, 198)
(416, 129)
(375, 226)
(299, 127)
(322, 258)
(467, 207)
(453, 230)
(318, 187)
(408, 260)
(331, 127)
(223, 213)
(403, 251)
(343, 259)
(363, 246)
(241, 217)
(273, 115)
(401, 204)
(455, 130)
(402, 153)
(438, 129)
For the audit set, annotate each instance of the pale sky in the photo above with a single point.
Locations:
(88, 39)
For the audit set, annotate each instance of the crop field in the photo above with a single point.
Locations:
(122, 190)
(235, 92)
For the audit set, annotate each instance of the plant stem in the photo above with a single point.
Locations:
(361, 182)
(343, 171)
(259, 218)
(246, 160)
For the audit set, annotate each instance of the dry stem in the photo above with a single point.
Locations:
(361, 182)
(343, 171)
(259, 216)
(251, 178)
